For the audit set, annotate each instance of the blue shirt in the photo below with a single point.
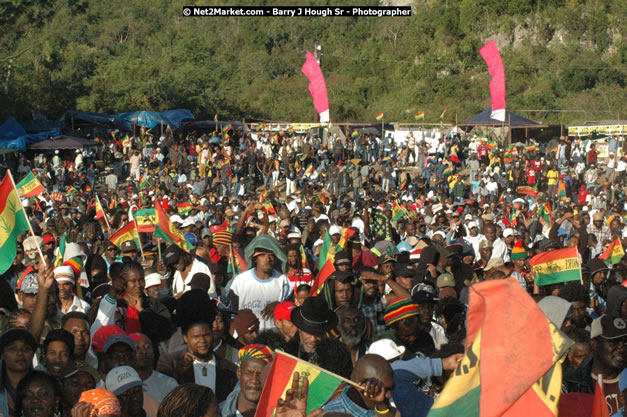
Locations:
(343, 404)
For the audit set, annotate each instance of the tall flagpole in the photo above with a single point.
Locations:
(27, 220)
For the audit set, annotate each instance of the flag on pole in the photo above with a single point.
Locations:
(544, 212)
(29, 186)
(13, 222)
(146, 220)
(355, 134)
(215, 117)
(324, 273)
(128, 232)
(556, 266)
(322, 384)
(99, 211)
(447, 171)
(379, 117)
(492, 57)
(442, 115)
(143, 182)
(487, 382)
(325, 251)
(58, 260)
(561, 190)
(614, 253)
(317, 87)
(309, 169)
(348, 233)
(166, 230)
(599, 404)
(398, 211)
(419, 116)
(70, 191)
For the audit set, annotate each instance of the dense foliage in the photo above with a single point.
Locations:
(123, 55)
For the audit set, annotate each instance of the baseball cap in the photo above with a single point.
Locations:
(129, 246)
(172, 255)
(468, 217)
(608, 327)
(152, 280)
(472, 224)
(191, 238)
(28, 284)
(401, 270)
(508, 232)
(445, 280)
(118, 338)
(335, 230)
(283, 310)
(121, 379)
(75, 367)
(294, 233)
(387, 349)
(101, 336)
(205, 232)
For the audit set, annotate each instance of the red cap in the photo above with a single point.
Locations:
(102, 334)
(48, 238)
(135, 336)
(283, 310)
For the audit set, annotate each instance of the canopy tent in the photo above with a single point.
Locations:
(126, 121)
(211, 126)
(511, 119)
(11, 129)
(63, 142)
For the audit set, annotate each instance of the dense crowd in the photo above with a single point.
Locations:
(353, 253)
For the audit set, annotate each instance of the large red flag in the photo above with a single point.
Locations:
(492, 57)
(317, 87)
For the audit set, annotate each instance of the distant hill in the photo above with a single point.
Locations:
(117, 56)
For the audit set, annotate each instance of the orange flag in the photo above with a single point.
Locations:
(599, 406)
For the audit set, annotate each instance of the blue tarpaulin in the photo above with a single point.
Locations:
(11, 129)
(124, 121)
(13, 145)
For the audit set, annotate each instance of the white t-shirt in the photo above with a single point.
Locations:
(178, 286)
(256, 294)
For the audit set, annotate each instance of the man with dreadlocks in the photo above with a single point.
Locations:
(243, 400)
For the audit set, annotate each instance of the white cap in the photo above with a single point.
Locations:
(441, 233)
(176, 219)
(508, 232)
(387, 349)
(472, 224)
(335, 230)
(294, 233)
(188, 222)
(152, 280)
(468, 217)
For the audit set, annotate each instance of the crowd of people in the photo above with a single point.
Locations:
(353, 253)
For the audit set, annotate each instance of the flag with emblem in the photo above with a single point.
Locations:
(614, 253)
(29, 186)
(184, 208)
(488, 381)
(556, 266)
(13, 222)
(398, 211)
(143, 182)
(146, 220)
(322, 384)
(166, 230)
(128, 232)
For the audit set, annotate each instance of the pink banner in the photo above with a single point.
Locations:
(492, 57)
(317, 87)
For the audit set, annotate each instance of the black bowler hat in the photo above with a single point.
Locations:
(314, 317)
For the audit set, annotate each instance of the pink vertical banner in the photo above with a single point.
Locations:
(492, 57)
(317, 87)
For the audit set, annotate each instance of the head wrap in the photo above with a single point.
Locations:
(223, 237)
(64, 273)
(105, 402)
(398, 310)
(518, 251)
(255, 351)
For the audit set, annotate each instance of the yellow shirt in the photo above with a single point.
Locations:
(553, 175)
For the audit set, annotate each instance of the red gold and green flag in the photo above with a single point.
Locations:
(545, 213)
(99, 211)
(269, 207)
(354, 134)
(184, 208)
(614, 253)
(166, 230)
(527, 190)
(398, 211)
(404, 183)
(325, 252)
(309, 169)
(58, 260)
(419, 116)
(128, 232)
(324, 273)
(126, 141)
(561, 189)
(29, 186)
(487, 382)
(237, 263)
(556, 266)
(448, 171)
(215, 117)
(530, 148)
(12, 222)
(348, 233)
(143, 181)
(227, 127)
(70, 191)
(379, 117)
(322, 384)
(146, 220)
(443, 113)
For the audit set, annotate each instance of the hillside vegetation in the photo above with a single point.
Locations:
(123, 55)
